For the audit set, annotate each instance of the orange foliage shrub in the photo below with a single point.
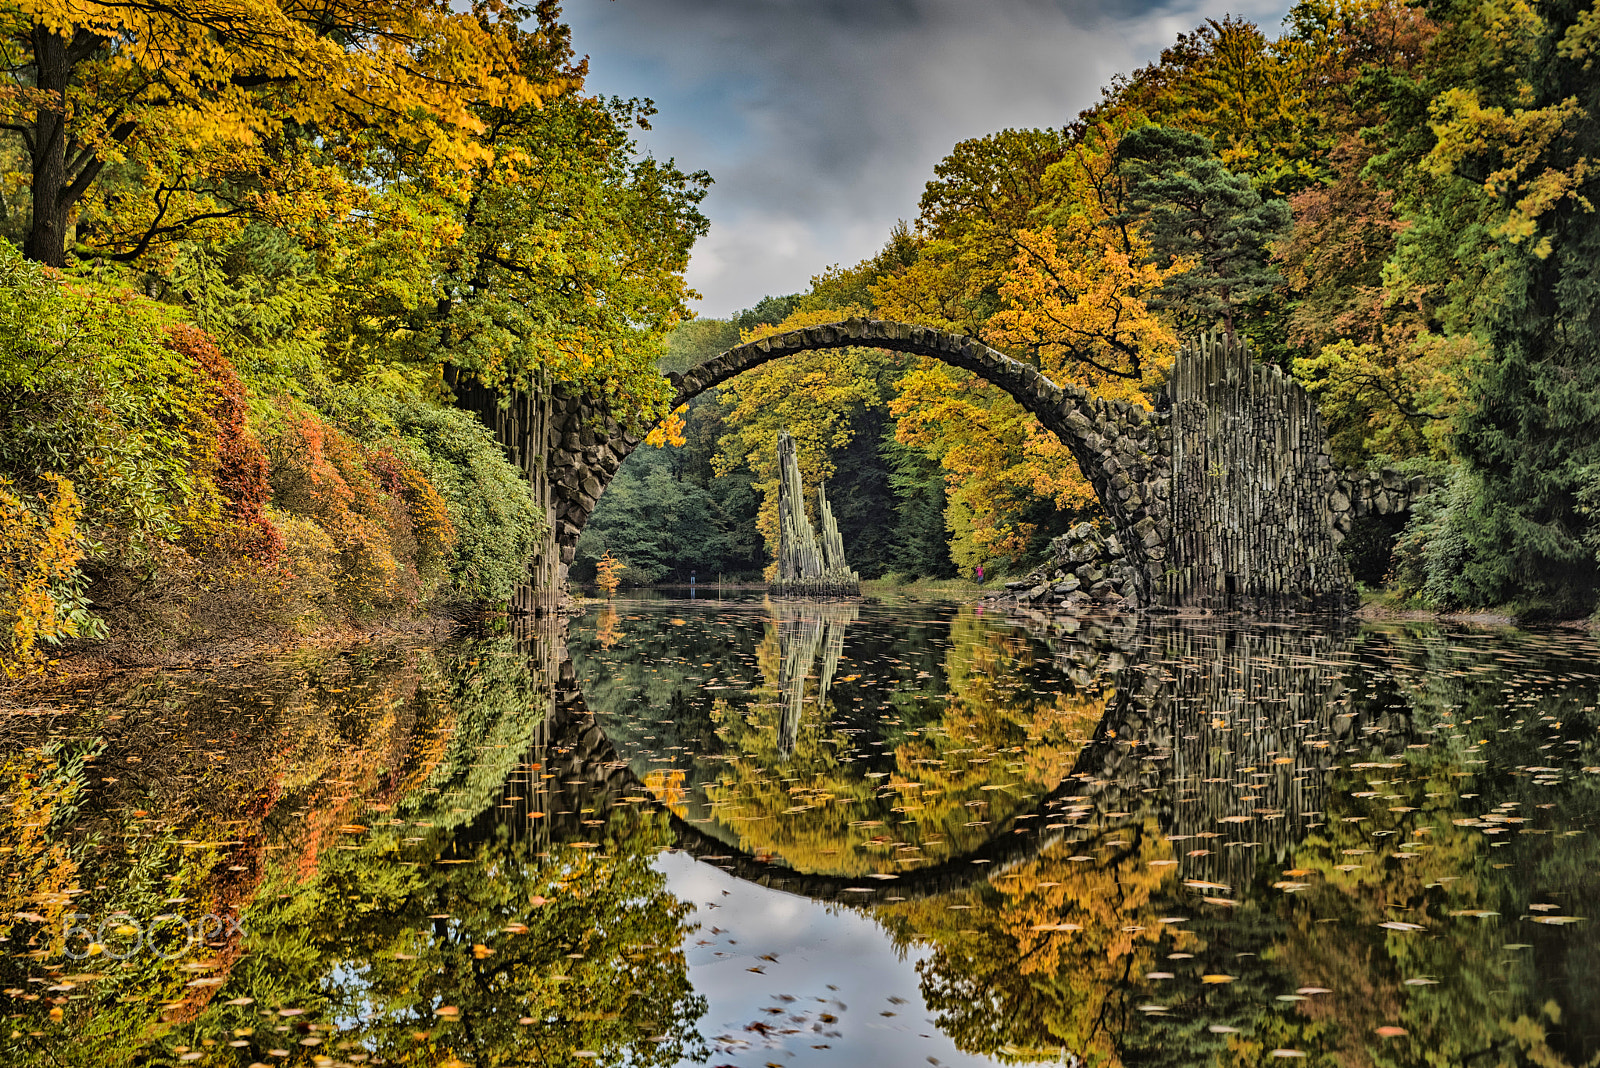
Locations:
(390, 530)
(240, 471)
(38, 557)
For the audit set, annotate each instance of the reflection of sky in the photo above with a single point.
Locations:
(815, 945)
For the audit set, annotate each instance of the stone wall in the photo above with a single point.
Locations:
(1358, 494)
(1084, 568)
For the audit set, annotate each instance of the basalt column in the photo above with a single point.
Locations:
(521, 422)
(807, 566)
(1251, 524)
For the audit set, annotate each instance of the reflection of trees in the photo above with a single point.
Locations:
(541, 952)
(357, 827)
(950, 783)
(1347, 829)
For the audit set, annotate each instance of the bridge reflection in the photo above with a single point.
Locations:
(1219, 740)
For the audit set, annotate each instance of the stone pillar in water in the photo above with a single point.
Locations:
(807, 566)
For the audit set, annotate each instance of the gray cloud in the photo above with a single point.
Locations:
(821, 120)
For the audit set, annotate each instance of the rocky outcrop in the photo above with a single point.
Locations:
(1085, 568)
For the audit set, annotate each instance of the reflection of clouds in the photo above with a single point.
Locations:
(829, 960)
(822, 121)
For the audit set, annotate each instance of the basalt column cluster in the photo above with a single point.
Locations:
(807, 566)
(1250, 525)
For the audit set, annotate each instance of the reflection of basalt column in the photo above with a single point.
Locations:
(1229, 734)
(803, 629)
(798, 640)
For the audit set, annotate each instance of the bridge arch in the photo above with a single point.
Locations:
(1121, 448)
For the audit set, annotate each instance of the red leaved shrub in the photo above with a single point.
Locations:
(241, 463)
(387, 527)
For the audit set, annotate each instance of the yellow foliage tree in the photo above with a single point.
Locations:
(1075, 306)
(38, 558)
(608, 573)
(199, 103)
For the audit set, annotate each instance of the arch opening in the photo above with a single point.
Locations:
(1119, 447)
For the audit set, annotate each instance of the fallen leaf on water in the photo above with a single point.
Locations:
(447, 1010)
(1390, 1031)
(1401, 925)
(1422, 982)
(1287, 1053)
(1217, 978)
(481, 951)
(1230, 902)
(1557, 920)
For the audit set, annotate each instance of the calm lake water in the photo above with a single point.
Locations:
(779, 833)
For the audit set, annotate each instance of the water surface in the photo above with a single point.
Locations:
(750, 832)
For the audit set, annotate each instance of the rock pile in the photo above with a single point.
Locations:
(1085, 567)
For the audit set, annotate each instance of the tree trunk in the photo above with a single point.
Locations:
(47, 237)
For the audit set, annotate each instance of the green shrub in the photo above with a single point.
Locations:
(89, 389)
(498, 527)
(1430, 552)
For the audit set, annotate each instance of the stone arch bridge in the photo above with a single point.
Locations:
(1223, 497)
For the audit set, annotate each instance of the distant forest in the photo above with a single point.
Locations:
(1395, 203)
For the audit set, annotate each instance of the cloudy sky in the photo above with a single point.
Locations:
(821, 120)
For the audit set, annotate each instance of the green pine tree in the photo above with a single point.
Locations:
(1189, 204)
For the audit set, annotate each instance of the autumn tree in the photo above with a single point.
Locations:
(981, 194)
(144, 120)
(563, 260)
(1527, 130)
